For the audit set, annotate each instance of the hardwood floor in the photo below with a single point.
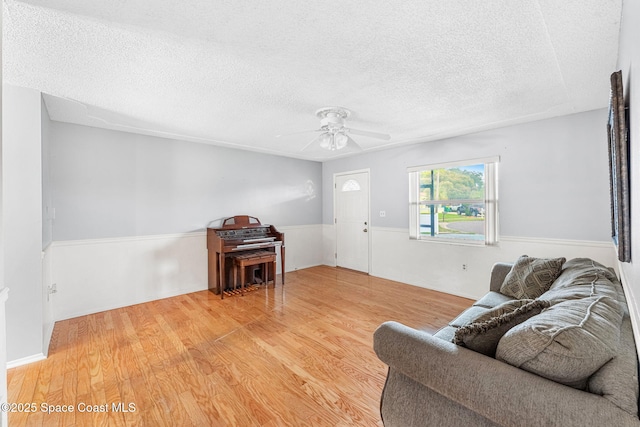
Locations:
(298, 355)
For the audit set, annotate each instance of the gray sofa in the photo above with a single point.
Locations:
(434, 382)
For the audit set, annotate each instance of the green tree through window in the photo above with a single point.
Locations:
(455, 201)
(451, 184)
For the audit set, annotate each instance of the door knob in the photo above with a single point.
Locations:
(365, 230)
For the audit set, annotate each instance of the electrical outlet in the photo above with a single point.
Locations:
(383, 214)
(464, 267)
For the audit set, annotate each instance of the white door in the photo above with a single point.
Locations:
(352, 221)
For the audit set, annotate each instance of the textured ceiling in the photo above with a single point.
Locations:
(239, 73)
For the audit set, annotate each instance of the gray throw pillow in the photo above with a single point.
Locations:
(484, 334)
(531, 277)
(567, 342)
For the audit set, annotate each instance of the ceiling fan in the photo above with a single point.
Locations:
(333, 133)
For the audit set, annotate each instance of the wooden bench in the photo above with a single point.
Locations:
(265, 258)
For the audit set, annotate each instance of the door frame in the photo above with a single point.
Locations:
(335, 210)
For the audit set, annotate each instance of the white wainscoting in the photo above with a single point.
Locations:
(4, 294)
(304, 246)
(329, 245)
(632, 303)
(439, 266)
(48, 298)
(48, 318)
(102, 274)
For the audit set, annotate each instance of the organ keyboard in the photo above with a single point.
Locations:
(237, 234)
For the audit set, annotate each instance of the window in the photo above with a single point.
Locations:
(351, 185)
(455, 201)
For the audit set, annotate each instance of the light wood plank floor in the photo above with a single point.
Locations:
(298, 355)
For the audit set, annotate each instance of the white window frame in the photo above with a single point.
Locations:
(490, 201)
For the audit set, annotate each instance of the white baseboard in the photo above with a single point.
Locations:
(25, 360)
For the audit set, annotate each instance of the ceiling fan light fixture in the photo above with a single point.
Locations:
(325, 141)
(333, 141)
(340, 140)
(334, 135)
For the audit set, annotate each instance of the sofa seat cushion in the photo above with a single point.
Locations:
(484, 305)
(485, 332)
(531, 277)
(567, 342)
(468, 316)
(446, 333)
(492, 299)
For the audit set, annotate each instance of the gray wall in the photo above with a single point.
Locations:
(112, 184)
(553, 176)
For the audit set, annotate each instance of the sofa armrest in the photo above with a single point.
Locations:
(499, 392)
(498, 272)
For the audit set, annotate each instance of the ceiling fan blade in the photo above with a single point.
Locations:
(298, 133)
(376, 135)
(352, 145)
(314, 145)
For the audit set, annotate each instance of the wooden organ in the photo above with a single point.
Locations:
(238, 234)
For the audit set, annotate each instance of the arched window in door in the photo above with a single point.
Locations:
(351, 185)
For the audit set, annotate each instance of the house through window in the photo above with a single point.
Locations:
(455, 201)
